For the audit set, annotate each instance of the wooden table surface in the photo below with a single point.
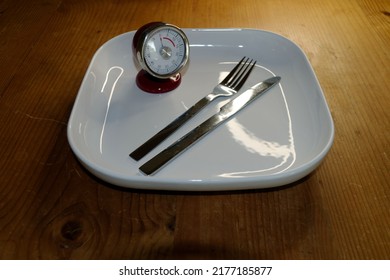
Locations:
(52, 208)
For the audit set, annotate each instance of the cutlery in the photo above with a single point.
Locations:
(225, 112)
(228, 87)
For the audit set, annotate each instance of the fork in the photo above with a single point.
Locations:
(228, 87)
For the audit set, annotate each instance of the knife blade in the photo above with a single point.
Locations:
(225, 112)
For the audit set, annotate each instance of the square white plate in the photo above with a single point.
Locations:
(278, 139)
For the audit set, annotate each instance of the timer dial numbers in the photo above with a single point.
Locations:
(165, 51)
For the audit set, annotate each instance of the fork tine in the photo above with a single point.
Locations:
(244, 76)
(234, 70)
(237, 75)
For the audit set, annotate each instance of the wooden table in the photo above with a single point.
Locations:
(52, 208)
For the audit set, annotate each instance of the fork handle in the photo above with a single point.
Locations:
(164, 133)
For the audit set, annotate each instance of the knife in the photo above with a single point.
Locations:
(225, 112)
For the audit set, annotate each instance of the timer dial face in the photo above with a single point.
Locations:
(164, 51)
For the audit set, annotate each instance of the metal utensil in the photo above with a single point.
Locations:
(226, 111)
(228, 87)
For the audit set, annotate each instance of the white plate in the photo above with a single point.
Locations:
(278, 139)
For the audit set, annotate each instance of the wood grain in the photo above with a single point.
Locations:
(52, 208)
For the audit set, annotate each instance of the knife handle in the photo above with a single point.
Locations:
(164, 133)
(180, 145)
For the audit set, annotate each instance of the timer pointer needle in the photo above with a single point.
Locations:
(161, 40)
